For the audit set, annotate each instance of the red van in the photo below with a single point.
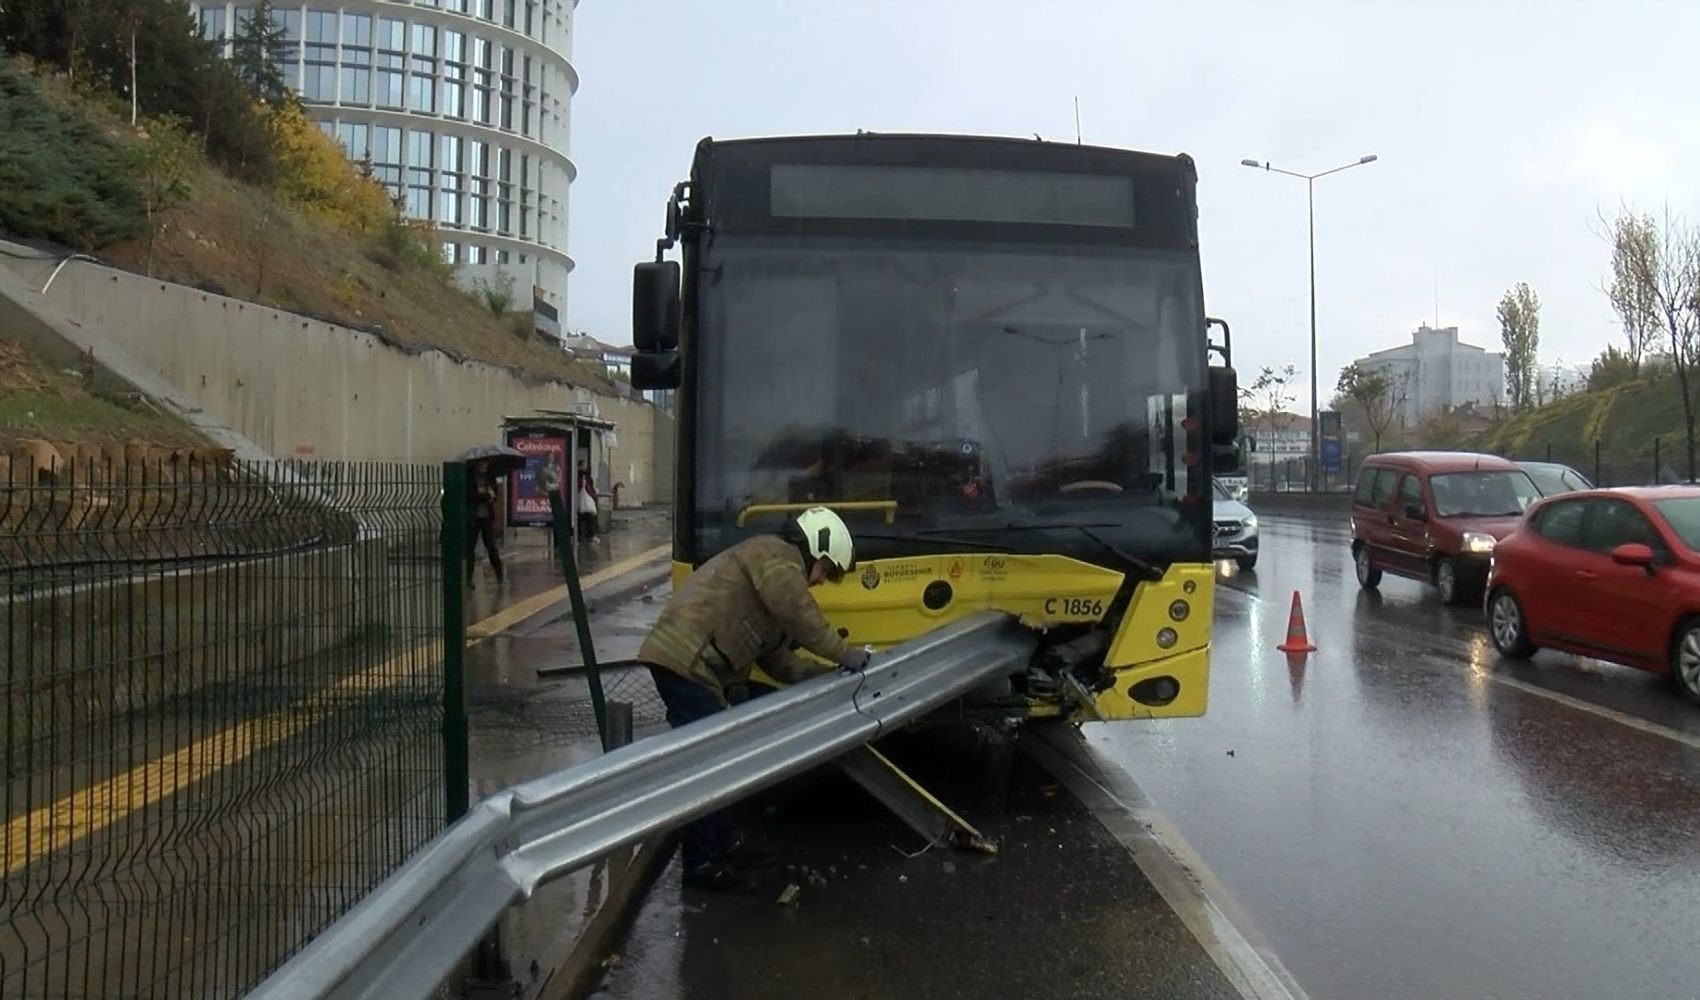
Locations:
(1436, 517)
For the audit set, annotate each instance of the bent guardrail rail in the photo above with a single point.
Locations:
(407, 936)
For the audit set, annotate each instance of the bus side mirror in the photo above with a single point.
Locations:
(656, 370)
(655, 306)
(1224, 406)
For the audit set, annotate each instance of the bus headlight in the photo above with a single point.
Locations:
(1166, 638)
(1478, 542)
(1179, 610)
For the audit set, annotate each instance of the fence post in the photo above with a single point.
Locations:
(1656, 473)
(456, 768)
(1549, 451)
(1597, 480)
(560, 522)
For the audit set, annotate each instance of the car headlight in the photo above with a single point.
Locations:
(1479, 542)
(1250, 522)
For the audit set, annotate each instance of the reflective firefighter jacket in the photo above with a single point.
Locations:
(749, 605)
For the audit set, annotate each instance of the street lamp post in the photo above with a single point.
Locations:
(1315, 476)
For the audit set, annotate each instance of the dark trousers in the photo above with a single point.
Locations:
(704, 839)
(485, 528)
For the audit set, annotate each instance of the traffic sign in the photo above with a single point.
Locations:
(1331, 454)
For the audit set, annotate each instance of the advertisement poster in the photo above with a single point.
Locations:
(528, 504)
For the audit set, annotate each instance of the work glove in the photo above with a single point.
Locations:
(854, 661)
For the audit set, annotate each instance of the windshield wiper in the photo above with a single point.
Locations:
(1138, 565)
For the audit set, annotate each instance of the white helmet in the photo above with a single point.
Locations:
(825, 536)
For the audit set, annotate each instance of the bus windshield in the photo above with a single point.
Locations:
(990, 388)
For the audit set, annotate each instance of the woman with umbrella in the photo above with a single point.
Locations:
(485, 463)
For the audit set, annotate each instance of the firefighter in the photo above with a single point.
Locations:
(748, 606)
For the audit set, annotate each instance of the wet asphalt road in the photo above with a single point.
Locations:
(1405, 815)
(1401, 815)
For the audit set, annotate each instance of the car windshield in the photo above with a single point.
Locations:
(1683, 515)
(1500, 493)
(1555, 479)
(1222, 492)
(1548, 479)
(954, 385)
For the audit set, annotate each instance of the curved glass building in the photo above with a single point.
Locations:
(462, 108)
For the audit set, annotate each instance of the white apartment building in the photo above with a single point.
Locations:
(1437, 372)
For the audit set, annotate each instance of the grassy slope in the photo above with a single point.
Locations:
(1624, 419)
(217, 239)
(39, 402)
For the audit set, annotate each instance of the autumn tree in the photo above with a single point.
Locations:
(164, 162)
(1659, 260)
(1520, 332)
(311, 171)
(1377, 393)
(1634, 242)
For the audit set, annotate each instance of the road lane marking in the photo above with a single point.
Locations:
(1177, 872)
(515, 613)
(83, 813)
(1583, 705)
(1570, 701)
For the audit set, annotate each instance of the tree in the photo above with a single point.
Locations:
(1520, 332)
(1634, 242)
(1442, 429)
(1272, 389)
(497, 296)
(1377, 392)
(1611, 369)
(153, 51)
(1660, 263)
(311, 170)
(258, 53)
(164, 163)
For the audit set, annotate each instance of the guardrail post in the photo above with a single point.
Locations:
(619, 724)
(561, 523)
(456, 767)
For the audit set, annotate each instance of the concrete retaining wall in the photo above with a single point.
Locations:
(304, 388)
(1302, 504)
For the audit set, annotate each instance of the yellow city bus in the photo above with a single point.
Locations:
(991, 357)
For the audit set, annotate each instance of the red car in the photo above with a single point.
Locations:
(1609, 574)
(1435, 517)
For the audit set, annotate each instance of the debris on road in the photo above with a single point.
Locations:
(789, 896)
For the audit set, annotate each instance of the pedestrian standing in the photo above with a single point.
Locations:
(586, 501)
(481, 509)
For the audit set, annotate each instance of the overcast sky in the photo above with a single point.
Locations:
(1502, 129)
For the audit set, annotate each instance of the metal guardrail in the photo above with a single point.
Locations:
(406, 937)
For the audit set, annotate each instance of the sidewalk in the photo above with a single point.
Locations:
(523, 727)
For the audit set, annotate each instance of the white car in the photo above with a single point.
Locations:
(1235, 528)
(1238, 487)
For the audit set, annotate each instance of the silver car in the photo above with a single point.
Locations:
(1235, 528)
(1552, 478)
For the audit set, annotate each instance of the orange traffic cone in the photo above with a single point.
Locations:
(1297, 640)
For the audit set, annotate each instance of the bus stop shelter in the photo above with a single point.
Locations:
(563, 441)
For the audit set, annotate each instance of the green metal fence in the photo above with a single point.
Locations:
(222, 695)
